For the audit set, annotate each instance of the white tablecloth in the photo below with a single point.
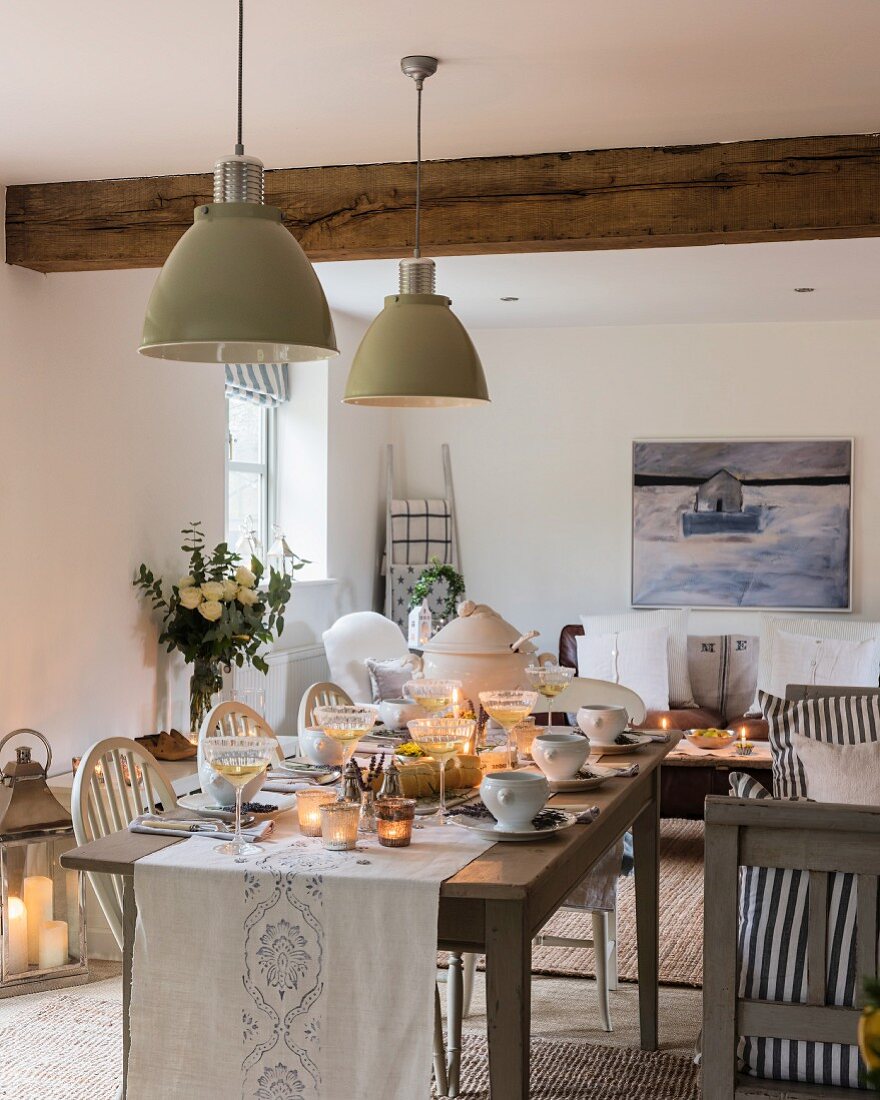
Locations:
(298, 974)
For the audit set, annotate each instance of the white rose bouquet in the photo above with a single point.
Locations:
(218, 615)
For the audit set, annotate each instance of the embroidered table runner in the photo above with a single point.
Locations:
(296, 974)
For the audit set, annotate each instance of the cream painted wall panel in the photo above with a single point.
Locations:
(105, 456)
(543, 474)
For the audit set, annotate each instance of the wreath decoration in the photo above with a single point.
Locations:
(435, 572)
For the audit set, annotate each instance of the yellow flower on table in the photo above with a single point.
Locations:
(230, 590)
(211, 610)
(212, 590)
(245, 577)
(186, 582)
(247, 597)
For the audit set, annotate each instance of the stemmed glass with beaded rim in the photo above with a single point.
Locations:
(433, 695)
(508, 708)
(441, 738)
(347, 725)
(238, 760)
(549, 681)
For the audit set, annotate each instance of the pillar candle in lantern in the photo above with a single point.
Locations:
(18, 936)
(53, 944)
(38, 902)
(308, 809)
(339, 825)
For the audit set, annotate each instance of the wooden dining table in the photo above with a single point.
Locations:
(495, 905)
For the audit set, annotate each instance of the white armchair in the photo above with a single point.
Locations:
(354, 638)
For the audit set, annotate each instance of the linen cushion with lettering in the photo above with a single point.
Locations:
(724, 672)
(388, 677)
(840, 773)
(637, 659)
(839, 720)
(772, 941)
(676, 622)
(821, 662)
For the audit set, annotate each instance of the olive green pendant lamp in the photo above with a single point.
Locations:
(237, 287)
(416, 353)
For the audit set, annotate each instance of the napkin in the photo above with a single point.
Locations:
(662, 738)
(611, 773)
(164, 826)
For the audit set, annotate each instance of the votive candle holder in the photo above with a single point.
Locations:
(339, 825)
(394, 821)
(308, 808)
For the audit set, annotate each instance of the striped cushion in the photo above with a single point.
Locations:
(842, 720)
(773, 918)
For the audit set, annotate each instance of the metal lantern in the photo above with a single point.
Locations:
(42, 914)
(280, 556)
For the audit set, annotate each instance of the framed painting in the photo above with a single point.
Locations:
(742, 523)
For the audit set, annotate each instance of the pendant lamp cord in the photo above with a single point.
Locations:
(239, 147)
(417, 251)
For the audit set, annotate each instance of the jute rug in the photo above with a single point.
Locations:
(568, 1071)
(681, 917)
(61, 1047)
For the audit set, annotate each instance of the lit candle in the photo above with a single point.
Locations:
(17, 936)
(38, 902)
(456, 699)
(308, 809)
(53, 944)
(394, 821)
(339, 825)
(493, 760)
(664, 724)
(742, 735)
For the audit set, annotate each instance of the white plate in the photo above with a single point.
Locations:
(486, 830)
(640, 740)
(589, 784)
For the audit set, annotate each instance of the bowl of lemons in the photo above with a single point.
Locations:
(710, 738)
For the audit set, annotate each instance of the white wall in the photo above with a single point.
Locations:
(542, 475)
(105, 456)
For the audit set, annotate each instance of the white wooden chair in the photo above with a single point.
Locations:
(322, 694)
(232, 719)
(104, 805)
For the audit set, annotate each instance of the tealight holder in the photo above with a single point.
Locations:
(744, 748)
(524, 733)
(394, 821)
(339, 825)
(308, 808)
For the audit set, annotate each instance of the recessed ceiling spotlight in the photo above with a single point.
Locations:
(804, 289)
(509, 299)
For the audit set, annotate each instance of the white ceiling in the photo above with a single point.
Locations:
(99, 88)
(640, 286)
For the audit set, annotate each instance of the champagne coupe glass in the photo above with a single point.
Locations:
(508, 708)
(433, 695)
(239, 759)
(347, 725)
(549, 681)
(441, 738)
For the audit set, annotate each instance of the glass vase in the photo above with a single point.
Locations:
(205, 682)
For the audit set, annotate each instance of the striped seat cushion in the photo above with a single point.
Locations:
(841, 720)
(773, 920)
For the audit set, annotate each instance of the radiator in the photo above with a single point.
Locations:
(290, 673)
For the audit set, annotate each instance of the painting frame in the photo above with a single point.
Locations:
(733, 441)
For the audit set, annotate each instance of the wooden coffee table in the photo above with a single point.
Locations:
(687, 778)
(495, 906)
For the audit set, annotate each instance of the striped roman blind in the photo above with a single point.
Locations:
(259, 383)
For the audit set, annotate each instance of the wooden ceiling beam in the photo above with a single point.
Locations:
(748, 191)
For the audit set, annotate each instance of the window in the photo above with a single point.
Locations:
(249, 470)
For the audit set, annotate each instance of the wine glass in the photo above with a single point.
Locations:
(347, 725)
(433, 695)
(441, 738)
(549, 681)
(508, 708)
(239, 759)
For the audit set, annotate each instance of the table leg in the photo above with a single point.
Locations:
(646, 851)
(129, 919)
(508, 998)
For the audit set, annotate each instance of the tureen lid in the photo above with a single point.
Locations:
(478, 629)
